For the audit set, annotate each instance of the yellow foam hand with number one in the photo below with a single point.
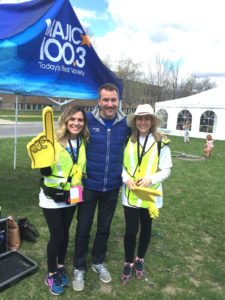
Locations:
(41, 148)
(146, 194)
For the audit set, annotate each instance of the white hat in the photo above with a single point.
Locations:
(141, 110)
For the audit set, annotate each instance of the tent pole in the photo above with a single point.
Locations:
(15, 139)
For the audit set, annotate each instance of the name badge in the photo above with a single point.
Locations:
(76, 195)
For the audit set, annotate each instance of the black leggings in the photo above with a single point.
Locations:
(134, 217)
(58, 221)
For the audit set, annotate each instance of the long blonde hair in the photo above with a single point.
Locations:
(154, 125)
(62, 133)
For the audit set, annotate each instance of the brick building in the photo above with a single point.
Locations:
(37, 103)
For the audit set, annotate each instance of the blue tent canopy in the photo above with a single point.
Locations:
(45, 51)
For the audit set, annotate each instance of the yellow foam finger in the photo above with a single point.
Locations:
(37, 144)
(33, 147)
(145, 193)
(41, 152)
(48, 123)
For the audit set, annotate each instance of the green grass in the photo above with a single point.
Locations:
(186, 258)
(25, 116)
(23, 112)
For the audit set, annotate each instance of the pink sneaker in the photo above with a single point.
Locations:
(127, 272)
(54, 284)
(139, 268)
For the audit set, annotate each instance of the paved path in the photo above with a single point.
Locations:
(6, 122)
(10, 129)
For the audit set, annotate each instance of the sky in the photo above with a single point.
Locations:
(189, 33)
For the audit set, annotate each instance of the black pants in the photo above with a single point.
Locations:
(106, 202)
(133, 218)
(58, 221)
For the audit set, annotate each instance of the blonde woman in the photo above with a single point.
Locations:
(58, 179)
(147, 162)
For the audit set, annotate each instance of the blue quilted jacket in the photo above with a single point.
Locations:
(104, 152)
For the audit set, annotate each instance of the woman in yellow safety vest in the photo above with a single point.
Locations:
(147, 162)
(61, 180)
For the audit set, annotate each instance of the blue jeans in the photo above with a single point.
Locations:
(106, 202)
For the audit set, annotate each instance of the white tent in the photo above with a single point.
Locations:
(204, 111)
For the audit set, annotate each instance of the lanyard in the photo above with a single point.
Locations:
(143, 149)
(75, 159)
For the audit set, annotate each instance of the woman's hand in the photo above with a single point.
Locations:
(130, 184)
(145, 181)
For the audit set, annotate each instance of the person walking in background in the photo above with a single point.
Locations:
(208, 147)
(65, 173)
(147, 162)
(186, 128)
(108, 133)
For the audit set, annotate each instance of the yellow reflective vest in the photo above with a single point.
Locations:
(148, 167)
(64, 167)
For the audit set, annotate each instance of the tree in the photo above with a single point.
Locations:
(164, 78)
(193, 85)
(132, 77)
(162, 83)
(168, 85)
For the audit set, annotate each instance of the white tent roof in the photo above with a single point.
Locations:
(211, 99)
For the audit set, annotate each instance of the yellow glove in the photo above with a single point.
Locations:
(41, 148)
(76, 174)
(153, 211)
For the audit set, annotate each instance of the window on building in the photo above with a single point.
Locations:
(207, 121)
(183, 117)
(163, 115)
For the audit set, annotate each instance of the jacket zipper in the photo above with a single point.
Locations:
(107, 159)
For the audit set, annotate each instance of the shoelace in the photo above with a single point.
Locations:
(56, 279)
(102, 269)
(127, 269)
(139, 264)
(79, 275)
(61, 271)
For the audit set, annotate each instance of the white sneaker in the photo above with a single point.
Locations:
(78, 282)
(103, 273)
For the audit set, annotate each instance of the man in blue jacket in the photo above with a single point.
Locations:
(108, 134)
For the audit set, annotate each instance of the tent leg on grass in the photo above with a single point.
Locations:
(15, 139)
